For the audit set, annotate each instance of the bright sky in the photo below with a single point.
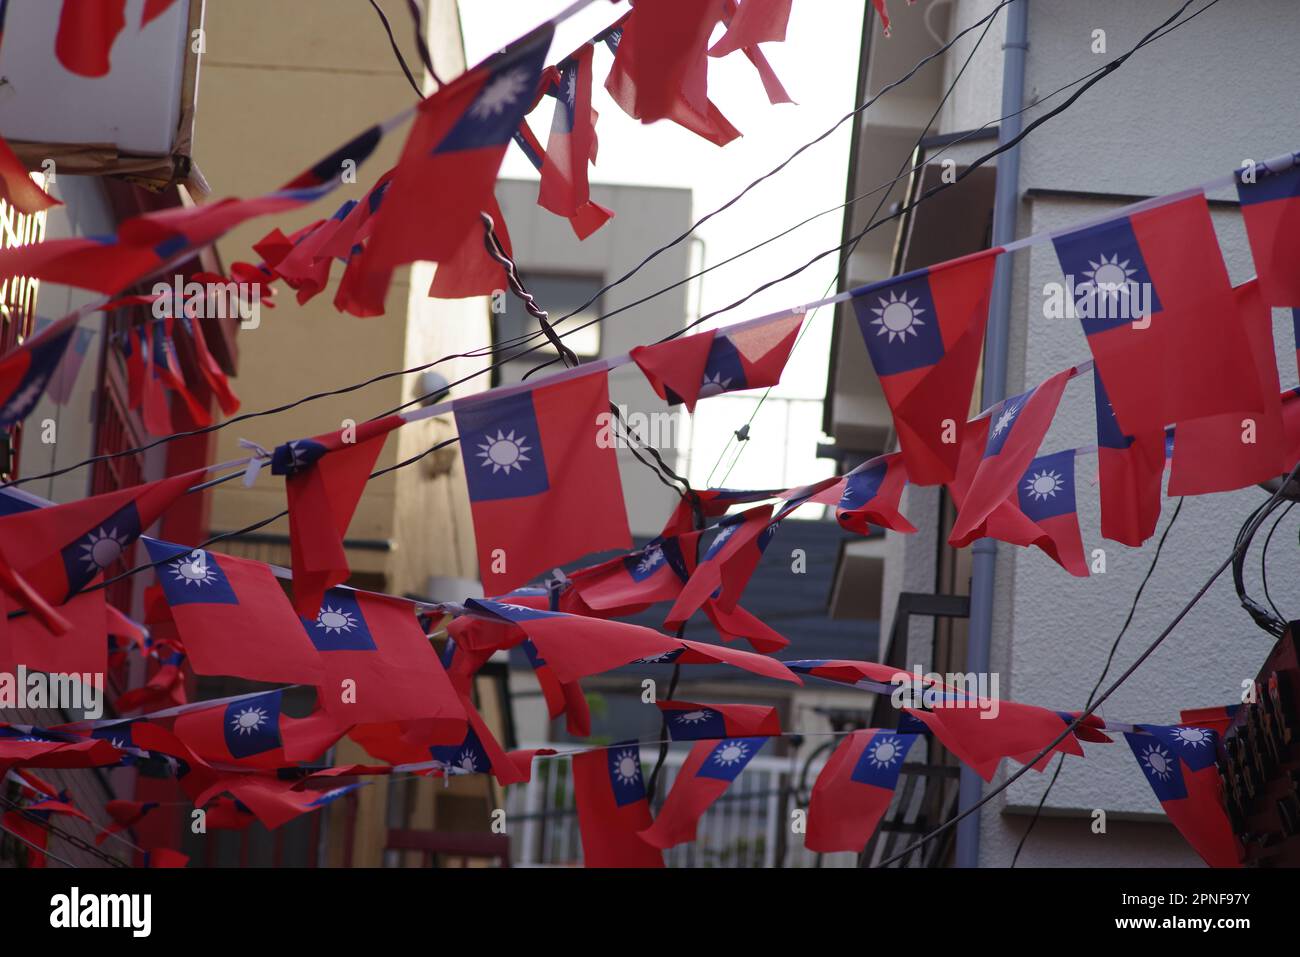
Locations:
(818, 66)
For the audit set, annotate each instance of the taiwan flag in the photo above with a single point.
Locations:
(609, 791)
(378, 664)
(871, 496)
(854, 789)
(543, 479)
(324, 479)
(924, 331)
(727, 565)
(573, 647)
(1016, 427)
(1179, 764)
(255, 732)
(738, 623)
(749, 355)
(81, 650)
(125, 815)
(561, 698)
(703, 778)
(59, 550)
(450, 162)
(1225, 452)
(1046, 496)
(1270, 205)
(1152, 294)
(688, 721)
(233, 616)
(653, 573)
(564, 189)
(25, 372)
(1130, 470)
(981, 732)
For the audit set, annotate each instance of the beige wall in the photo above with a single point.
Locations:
(279, 87)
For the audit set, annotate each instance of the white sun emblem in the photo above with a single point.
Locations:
(650, 560)
(1108, 276)
(505, 452)
(1044, 484)
(694, 717)
(732, 752)
(723, 535)
(499, 94)
(627, 770)
(248, 721)
(571, 88)
(335, 620)
(714, 385)
(1009, 413)
(467, 761)
(194, 573)
(884, 752)
(1193, 737)
(1159, 763)
(103, 547)
(897, 316)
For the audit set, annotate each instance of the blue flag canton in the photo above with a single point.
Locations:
(645, 563)
(862, 486)
(535, 659)
(468, 757)
(44, 359)
(1195, 747)
(190, 576)
(329, 170)
(252, 726)
(1269, 185)
(565, 91)
(625, 777)
(294, 458)
(723, 369)
(882, 759)
(100, 547)
(1109, 273)
(503, 448)
(899, 323)
(333, 794)
(699, 724)
(728, 758)
(1160, 765)
(727, 527)
(339, 625)
(529, 151)
(1109, 434)
(494, 114)
(1046, 490)
(508, 612)
(1002, 421)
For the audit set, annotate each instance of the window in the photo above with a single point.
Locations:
(559, 295)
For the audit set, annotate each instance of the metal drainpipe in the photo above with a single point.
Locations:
(984, 552)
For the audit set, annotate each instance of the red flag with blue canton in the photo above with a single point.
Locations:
(1270, 206)
(1220, 453)
(562, 698)
(688, 721)
(981, 737)
(1179, 765)
(233, 616)
(727, 565)
(1016, 428)
(653, 573)
(1130, 470)
(542, 488)
(924, 331)
(565, 190)
(59, 550)
(1152, 295)
(751, 355)
(325, 477)
(1046, 496)
(871, 496)
(854, 789)
(450, 162)
(703, 777)
(25, 372)
(609, 791)
(255, 732)
(378, 663)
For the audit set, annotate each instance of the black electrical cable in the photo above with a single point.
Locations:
(397, 51)
(1263, 562)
